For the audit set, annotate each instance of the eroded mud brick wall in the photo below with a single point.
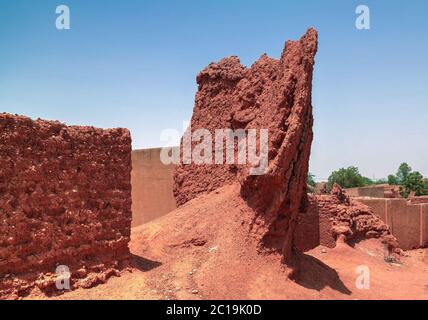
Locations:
(273, 95)
(329, 217)
(65, 194)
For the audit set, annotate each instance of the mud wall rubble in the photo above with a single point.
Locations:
(338, 217)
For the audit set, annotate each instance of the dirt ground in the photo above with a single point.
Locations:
(203, 250)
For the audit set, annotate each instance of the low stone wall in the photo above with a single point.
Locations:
(152, 186)
(408, 222)
(65, 199)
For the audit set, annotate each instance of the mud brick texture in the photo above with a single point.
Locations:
(65, 195)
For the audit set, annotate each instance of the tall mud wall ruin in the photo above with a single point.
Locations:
(272, 94)
(65, 200)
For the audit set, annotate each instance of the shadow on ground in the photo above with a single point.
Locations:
(144, 264)
(314, 274)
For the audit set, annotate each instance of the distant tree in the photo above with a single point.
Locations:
(425, 188)
(348, 178)
(392, 179)
(413, 182)
(380, 181)
(368, 181)
(409, 181)
(403, 171)
(311, 180)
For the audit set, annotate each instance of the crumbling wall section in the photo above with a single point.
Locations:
(337, 217)
(273, 94)
(65, 199)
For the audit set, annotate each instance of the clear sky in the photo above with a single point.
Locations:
(133, 63)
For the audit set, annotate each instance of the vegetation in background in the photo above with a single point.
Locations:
(311, 180)
(409, 181)
(392, 180)
(348, 178)
(403, 172)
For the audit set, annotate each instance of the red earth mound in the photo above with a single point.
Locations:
(205, 250)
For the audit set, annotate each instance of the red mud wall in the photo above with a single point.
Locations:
(334, 216)
(408, 222)
(152, 183)
(371, 191)
(419, 200)
(65, 195)
(274, 95)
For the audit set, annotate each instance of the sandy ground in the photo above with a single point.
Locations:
(203, 250)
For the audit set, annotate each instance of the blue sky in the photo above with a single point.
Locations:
(133, 63)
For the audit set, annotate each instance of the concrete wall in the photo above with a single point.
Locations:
(408, 222)
(152, 183)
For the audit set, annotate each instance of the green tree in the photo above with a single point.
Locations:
(348, 178)
(403, 171)
(311, 180)
(425, 188)
(413, 182)
(380, 181)
(392, 179)
(368, 181)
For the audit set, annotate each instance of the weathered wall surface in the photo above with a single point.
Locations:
(408, 222)
(417, 200)
(379, 207)
(65, 197)
(371, 191)
(376, 191)
(274, 95)
(334, 217)
(424, 223)
(152, 184)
